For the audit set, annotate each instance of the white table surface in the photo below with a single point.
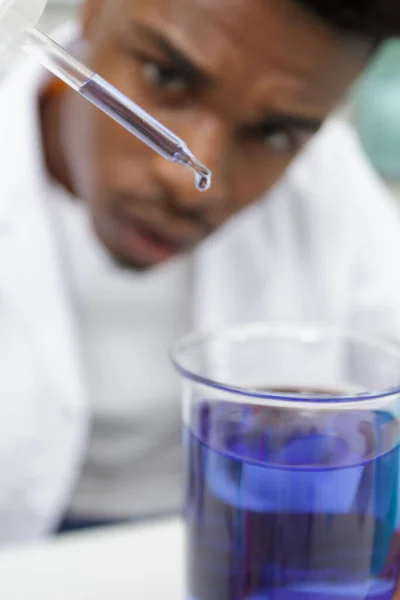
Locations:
(134, 563)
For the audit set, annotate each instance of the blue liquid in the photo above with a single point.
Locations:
(282, 511)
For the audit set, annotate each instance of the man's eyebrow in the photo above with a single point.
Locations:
(288, 120)
(188, 68)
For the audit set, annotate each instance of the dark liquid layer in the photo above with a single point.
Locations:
(280, 510)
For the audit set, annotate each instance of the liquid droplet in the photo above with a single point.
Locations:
(203, 181)
(202, 174)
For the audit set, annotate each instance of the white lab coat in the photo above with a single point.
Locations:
(324, 246)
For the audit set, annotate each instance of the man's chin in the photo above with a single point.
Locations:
(130, 263)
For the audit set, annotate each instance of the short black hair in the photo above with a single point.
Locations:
(377, 19)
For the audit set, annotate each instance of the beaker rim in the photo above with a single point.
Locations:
(303, 331)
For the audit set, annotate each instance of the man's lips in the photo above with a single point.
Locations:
(150, 243)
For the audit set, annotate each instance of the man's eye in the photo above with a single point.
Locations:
(166, 78)
(278, 140)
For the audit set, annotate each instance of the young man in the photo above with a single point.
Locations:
(101, 266)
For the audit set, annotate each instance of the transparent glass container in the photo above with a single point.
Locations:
(291, 437)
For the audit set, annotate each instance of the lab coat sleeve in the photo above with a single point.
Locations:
(39, 440)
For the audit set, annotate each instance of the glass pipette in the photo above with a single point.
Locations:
(112, 102)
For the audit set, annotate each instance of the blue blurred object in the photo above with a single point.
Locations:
(377, 111)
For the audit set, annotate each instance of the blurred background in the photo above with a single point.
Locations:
(373, 105)
(57, 12)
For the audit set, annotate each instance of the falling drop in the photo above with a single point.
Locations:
(202, 173)
(203, 181)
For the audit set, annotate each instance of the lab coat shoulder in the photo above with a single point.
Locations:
(323, 246)
(354, 224)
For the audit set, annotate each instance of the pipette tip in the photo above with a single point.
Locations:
(202, 173)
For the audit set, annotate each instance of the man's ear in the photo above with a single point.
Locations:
(90, 12)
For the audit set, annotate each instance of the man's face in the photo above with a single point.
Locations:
(244, 82)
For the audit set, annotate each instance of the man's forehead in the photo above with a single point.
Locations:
(246, 42)
(244, 29)
(255, 24)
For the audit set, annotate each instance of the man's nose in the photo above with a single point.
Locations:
(206, 139)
